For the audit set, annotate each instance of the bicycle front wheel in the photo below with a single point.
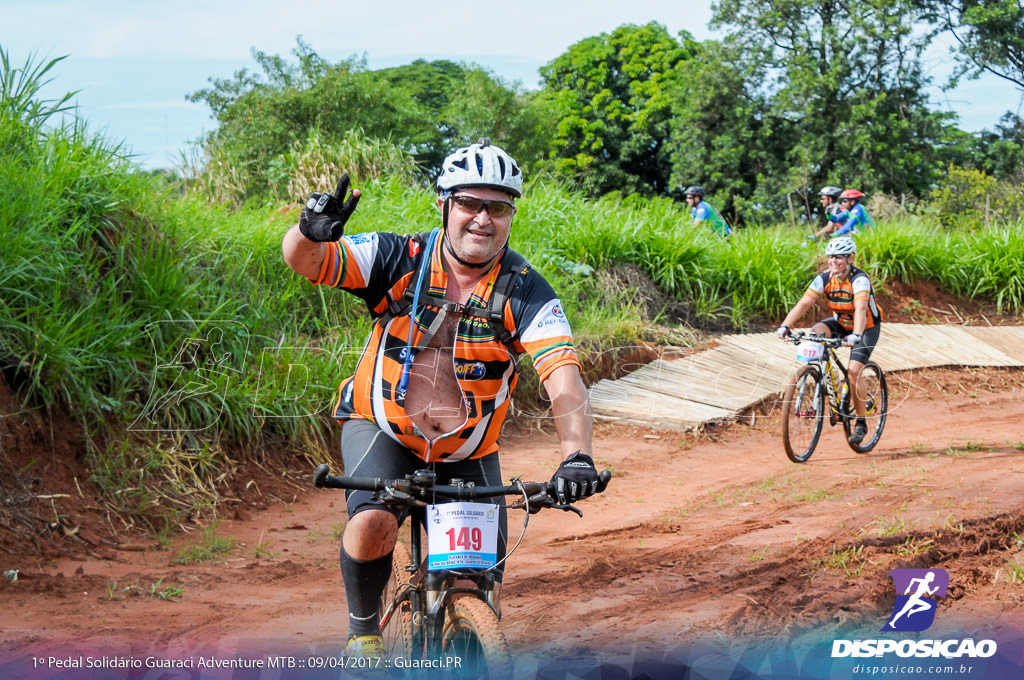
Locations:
(473, 635)
(803, 413)
(876, 397)
(396, 609)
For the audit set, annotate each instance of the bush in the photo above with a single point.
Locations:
(969, 197)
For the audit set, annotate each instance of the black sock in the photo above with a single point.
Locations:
(364, 584)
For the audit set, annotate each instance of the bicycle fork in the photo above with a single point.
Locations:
(835, 401)
(429, 604)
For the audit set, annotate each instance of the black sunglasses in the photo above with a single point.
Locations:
(496, 209)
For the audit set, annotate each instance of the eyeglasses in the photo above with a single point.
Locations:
(838, 257)
(495, 209)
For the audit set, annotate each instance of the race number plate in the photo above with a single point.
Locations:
(462, 535)
(809, 352)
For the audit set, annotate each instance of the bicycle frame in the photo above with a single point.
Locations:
(829, 361)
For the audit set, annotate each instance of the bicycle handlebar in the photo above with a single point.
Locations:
(419, 487)
(797, 338)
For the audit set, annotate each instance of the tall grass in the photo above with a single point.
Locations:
(758, 272)
(165, 324)
(974, 263)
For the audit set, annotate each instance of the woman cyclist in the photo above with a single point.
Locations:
(856, 317)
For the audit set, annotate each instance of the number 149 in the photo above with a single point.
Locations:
(465, 538)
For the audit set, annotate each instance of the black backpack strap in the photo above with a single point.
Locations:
(513, 265)
(402, 305)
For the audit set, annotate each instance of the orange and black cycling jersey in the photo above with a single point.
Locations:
(841, 294)
(376, 266)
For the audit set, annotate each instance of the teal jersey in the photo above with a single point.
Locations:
(704, 211)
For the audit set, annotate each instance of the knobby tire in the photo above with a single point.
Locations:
(872, 381)
(398, 629)
(803, 408)
(473, 634)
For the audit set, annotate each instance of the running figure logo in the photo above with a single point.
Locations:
(914, 609)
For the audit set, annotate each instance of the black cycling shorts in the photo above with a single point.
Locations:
(366, 451)
(863, 348)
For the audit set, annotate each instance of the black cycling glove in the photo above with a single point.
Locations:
(575, 478)
(324, 216)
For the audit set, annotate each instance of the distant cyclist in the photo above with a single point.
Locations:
(835, 213)
(856, 317)
(858, 219)
(702, 211)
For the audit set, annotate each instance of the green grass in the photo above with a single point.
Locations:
(1014, 572)
(133, 589)
(210, 548)
(811, 495)
(912, 547)
(890, 526)
(849, 561)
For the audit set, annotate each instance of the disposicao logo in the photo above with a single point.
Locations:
(914, 610)
(917, 593)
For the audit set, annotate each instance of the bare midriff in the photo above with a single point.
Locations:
(434, 401)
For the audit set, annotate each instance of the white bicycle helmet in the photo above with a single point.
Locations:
(481, 165)
(841, 245)
(830, 191)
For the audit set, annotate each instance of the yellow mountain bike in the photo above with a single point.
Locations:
(821, 387)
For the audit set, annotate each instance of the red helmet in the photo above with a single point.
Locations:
(852, 193)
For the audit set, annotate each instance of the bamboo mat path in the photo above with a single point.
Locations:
(743, 370)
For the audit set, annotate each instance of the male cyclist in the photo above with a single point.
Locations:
(858, 218)
(856, 317)
(834, 211)
(432, 386)
(701, 210)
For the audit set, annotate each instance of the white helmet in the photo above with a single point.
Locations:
(841, 245)
(481, 165)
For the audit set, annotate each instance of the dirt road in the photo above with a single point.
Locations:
(703, 542)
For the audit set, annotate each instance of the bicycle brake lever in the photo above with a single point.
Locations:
(391, 494)
(568, 507)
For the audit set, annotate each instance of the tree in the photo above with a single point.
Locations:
(467, 102)
(265, 114)
(462, 103)
(609, 96)
(424, 108)
(989, 33)
(846, 91)
(1001, 153)
(722, 134)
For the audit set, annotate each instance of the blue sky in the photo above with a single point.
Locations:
(133, 63)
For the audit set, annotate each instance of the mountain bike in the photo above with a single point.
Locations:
(434, 615)
(822, 387)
